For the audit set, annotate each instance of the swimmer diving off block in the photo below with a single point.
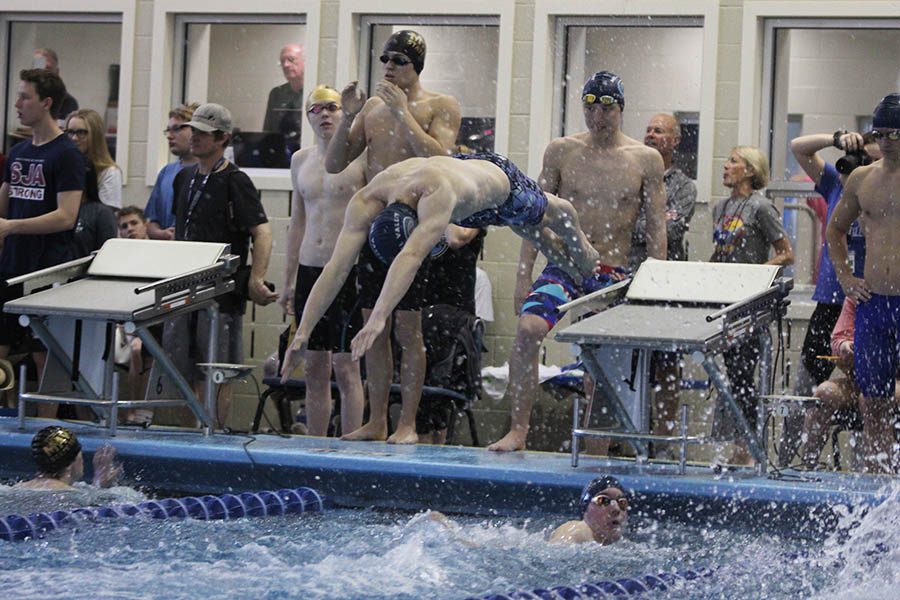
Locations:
(468, 190)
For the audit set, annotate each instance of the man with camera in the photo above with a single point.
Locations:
(829, 181)
(216, 202)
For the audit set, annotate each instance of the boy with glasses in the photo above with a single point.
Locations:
(871, 195)
(318, 205)
(160, 219)
(401, 120)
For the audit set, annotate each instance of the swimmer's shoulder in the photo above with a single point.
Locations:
(571, 532)
(560, 148)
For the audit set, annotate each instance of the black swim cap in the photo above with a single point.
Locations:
(390, 230)
(410, 44)
(604, 83)
(54, 448)
(595, 487)
(887, 113)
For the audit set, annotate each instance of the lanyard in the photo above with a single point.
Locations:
(196, 195)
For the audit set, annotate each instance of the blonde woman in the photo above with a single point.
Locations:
(746, 229)
(86, 129)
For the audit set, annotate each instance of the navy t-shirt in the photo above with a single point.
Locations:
(36, 175)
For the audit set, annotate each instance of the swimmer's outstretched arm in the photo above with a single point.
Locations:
(361, 211)
(434, 212)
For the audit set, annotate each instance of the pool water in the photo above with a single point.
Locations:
(367, 554)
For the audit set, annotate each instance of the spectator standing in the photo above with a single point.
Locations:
(745, 226)
(284, 109)
(160, 219)
(47, 58)
(217, 202)
(39, 199)
(85, 128)
(96, 221)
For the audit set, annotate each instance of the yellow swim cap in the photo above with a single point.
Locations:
(323, 95)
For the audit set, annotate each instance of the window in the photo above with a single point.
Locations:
(236, 61)
(469, 76)
(90, 70)
(659, 60)
(824, 75)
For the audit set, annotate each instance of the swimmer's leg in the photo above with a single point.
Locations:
(562, 218)
(379, 372)
(523, 381)
(318, 391)
(408, 327)
(353, 400)
(878, 415)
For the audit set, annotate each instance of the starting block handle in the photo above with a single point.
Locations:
(595, 295)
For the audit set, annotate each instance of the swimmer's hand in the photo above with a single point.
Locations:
(293, 356)
(352, 99)
(106, 470)
(366, 337)
(286, 300)
(857, 289)
(393, 96)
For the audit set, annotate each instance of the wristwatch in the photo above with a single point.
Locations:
(837, 138)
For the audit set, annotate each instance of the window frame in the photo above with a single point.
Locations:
(548, 60)
(75, 11)
(169, 16)
(353, 36)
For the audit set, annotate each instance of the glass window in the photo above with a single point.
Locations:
(256, 70)
(824, 76)
(469, 76)
(85, 50)
(659, 61)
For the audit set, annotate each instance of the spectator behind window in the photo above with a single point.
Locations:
(86, 129)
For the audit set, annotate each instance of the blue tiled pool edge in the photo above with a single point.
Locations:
(450, 479)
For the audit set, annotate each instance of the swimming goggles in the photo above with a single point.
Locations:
(400, 61)
(605, 100)
(317, 108)
(891, 134)
(601, 500)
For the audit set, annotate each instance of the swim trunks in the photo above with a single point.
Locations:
(525, 204)
(875, 345)
(340, 322)
(554, 287)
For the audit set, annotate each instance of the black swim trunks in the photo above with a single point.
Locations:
(371, 273)
(341, 321)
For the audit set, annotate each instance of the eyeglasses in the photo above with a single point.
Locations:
(175, 129)
(601, 500)
(317, 108)
(605, 100)
(400, 61)
(892, 134)
(80, 133)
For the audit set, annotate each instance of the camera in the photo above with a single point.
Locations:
(851, 160)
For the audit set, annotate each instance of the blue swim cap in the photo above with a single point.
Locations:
(603, 83)
(887, 113)
(595, 487)
(390, 230)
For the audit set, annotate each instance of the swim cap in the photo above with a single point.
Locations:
(887, 113)
(410, 44)
(390, 230)
(604, 83)
(323, 95)
(595, 487)
(54, 448)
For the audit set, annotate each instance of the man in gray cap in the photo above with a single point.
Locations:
(217, 202)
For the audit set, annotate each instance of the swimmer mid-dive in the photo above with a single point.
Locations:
(428, 194)
(57, 453)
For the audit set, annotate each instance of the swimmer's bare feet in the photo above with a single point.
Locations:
(372, 431)
(404, 435)
(511, 442)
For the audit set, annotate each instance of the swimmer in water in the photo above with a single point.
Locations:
(403, 212)
(57, 453)
(604, 512)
